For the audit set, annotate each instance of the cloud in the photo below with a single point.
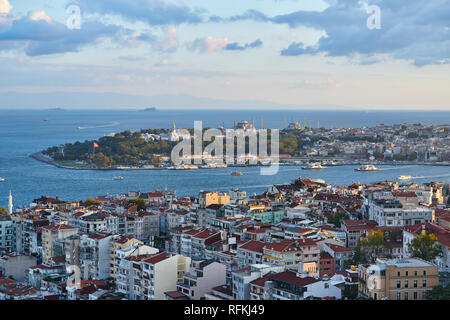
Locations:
(5, 6)
(209, 44)
(416, 31)
(38, 35)
(153, 12)
(169, 43)
(235, 46)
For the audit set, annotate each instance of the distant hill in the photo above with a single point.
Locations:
(108, 100)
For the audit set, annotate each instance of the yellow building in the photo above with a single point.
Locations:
(403, 279)
(51, 233)
(208, 198)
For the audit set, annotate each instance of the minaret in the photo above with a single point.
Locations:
(10, 203)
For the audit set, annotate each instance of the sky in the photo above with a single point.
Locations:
(292, 52)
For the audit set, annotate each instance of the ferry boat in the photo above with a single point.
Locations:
(236, 173)
(314, 166)
(404, 178)
(214, 166)
(118, 178)
(367, 167)
(186, 167)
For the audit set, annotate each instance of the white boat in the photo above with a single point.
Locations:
(404, 178)
(186, 167)
(314, 166)
(118, 178)
(214, 166)
(2, 179)
(367, 167)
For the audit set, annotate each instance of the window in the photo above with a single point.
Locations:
(399, 296)
(399, 284)
(406, 295)
(406, 283)
(398, 273)
(424, 272)
(407, 273)
(415, 273)
(424, 295)
(415, 295)
(415, 283)
(424, 283)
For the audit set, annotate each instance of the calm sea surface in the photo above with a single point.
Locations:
(25, 132)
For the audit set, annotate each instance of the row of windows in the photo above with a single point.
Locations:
(406, 284)
(415, 295)
(416, 273)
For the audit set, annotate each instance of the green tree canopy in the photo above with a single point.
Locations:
(91, 202)
(373, 246)
(425, 246)
(337, 218)
(3, 211)
(439, 293)
(140, 203)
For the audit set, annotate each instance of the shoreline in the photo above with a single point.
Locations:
(45, 159)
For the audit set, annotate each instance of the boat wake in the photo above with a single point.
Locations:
(428, 177)
(113, 124)
(395, 168)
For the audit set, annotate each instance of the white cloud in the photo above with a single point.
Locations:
(5, 7)
(209, 44)
(170, 41)
(39, 15)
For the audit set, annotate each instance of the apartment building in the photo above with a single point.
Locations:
(95, 256)
(392, 212)
(206, 198)
(397, 279)
(356, 229)
(160, 274)
(117, 243)
(203, 275)
(52, 233)
(241, 279)
(249, 253)
(7, 233)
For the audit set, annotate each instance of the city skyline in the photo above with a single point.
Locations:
(286, 54)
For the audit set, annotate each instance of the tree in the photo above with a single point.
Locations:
(373, 246)
(337, 218)
(140, 203)
(91, 202)
(3, 211)
(425, 246)
(439, 293)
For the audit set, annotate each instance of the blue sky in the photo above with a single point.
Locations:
(300, 52)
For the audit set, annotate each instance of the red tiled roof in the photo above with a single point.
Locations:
(158, 258)
(291, 278)
(336, 248)
(253, 245)
(57, 227)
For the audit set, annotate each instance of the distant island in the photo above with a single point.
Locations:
(149, 109)
(55, 109)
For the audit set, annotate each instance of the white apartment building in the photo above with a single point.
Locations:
(391, 212)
